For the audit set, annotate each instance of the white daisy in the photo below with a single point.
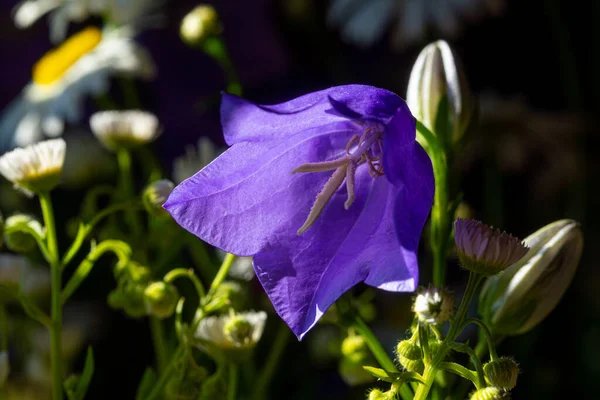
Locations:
(433, 306)
(116, 129)
(35, 168)
(363, 22)
(61, 12)
(81, 66)
(233, 331)
(194, 159)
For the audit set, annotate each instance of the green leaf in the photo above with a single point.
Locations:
(146, 384)
(76, 386)
(394, 377)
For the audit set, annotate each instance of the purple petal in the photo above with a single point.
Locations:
(356, 101)
(304, 275)
(241, 200)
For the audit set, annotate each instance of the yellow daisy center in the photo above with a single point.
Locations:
(56, 62)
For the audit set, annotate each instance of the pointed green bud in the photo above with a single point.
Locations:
(515, 301)
(437, 75)
(18, 241)
(161, 299)
(433, 306)
(355, 349)
(199, 24)
(502, 373)
(490, 393)
(353, 374)
(409, 350)
(155, 195)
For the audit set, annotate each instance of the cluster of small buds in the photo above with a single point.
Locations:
(485, 250)
(35, 169)
(132, 282)
(155, 195)
(502, 373)
(125, 129)
(17, 240)
(433, 306)
(200, 24)
(490, 393)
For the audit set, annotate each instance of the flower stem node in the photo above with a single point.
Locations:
(502, 373)
(16, 239)
(376, 394)
(35, 169)
(161, 299)
(433, 306)
(485, 250)
(199, 24)
(436, 76)
(125, 129)
(155, 195)
(515, 301)
(490, 393)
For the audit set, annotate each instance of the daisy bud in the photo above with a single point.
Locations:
(433, 306)
(36, 168)
(199, 24)
(410, 356)
(490, 393)
(17, 240)
(437, 73)
(161, 299)
(4, 367)
(155, 195)
(125, 129)
(355, 349)
(485, 250)
(502, 373)
(515, 301)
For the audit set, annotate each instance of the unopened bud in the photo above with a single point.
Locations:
(502, 373)
(17, 240)
(355, 349)
(161, 299)
(155, 195)
(515, 301)
(434, 306)
(490, 393)
(409, 350)
(199, 24)
(437, 74)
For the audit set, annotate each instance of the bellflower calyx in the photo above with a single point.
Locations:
(325, 191)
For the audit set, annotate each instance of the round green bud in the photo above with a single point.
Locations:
(355, 349)
(502, 373)
(490, 393)
(200, 24)
(409, 350)
(155, 195)
(18, 241)
(412, 365)
(161, 299)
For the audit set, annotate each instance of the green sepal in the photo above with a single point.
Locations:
(394, 377)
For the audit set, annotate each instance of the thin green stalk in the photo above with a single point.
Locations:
(56, 305)
(488, 337)
(379, 352)
(223, 271)
(432, 368)
(124, 161)
(459, 370)
(233, 381)
(274, 356)
(158, 341)
(186, 273)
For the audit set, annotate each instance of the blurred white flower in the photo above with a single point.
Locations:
(233, 331)
(194, 159)
(61, 12)
(363, 22)
(81, 66)
(116, 129)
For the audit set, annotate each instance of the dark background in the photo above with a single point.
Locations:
(544, 53)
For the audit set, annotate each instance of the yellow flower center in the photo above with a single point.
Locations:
(56, 62)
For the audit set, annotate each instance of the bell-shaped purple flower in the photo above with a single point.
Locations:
(325, 191)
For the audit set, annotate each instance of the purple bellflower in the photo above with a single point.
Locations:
(325, 191)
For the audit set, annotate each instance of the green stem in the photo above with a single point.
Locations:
(222, 274)
(186, 273)
(431, 369)
(233, 381)
(274, 356)
(158, 340)
(379, 352)
(56, 305)
(124, 161)
(459, 370)
(488, 336)
(215, 47)
(464, 348)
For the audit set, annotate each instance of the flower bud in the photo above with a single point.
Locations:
(409, 350)
(4, 367)
(161, 299)
(155, 195)
(502, 373)
(355, 349)
(17, 240)
(199, 24)
(353, 374)
(437, 73)
(433, 306)
(485, 250)
(490, 393)
(515, 301)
